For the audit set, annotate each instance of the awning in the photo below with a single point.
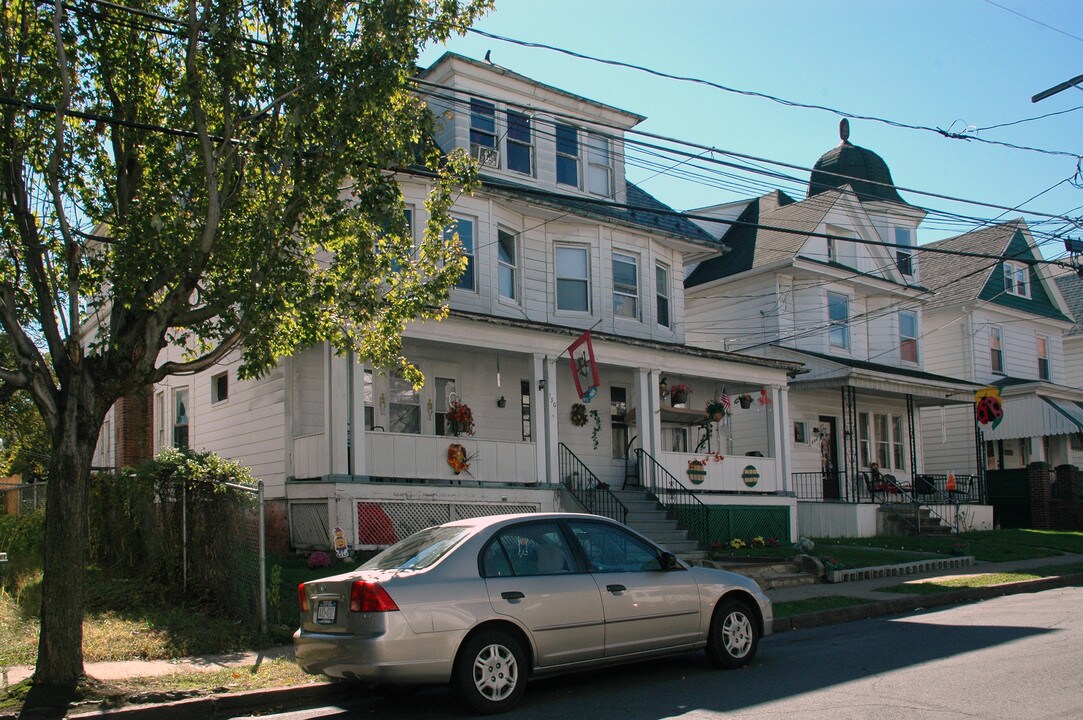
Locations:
(1036, 416)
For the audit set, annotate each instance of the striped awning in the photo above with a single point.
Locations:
(1036, 416)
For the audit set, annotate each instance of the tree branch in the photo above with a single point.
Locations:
(201, 363)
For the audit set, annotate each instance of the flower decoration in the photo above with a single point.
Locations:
(457, 459)
(679, 389)
(579, 414)
(758, 541)
(737, 543)
(460, 418)
(716, 410)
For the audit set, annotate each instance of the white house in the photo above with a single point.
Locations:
(833, 282)
(558, 243)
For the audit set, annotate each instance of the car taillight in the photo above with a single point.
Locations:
(370, 597)
(302, 598)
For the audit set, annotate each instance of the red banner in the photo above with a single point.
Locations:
(584, 367)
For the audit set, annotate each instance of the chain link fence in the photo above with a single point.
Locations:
(21, 498)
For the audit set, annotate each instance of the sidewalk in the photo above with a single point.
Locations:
(884, 604)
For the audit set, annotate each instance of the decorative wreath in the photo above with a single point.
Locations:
(579, 414)
(457, 459)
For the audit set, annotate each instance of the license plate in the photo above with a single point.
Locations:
(326, 611)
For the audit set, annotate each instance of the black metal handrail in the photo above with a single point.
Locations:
(682, 504)
(584, 485)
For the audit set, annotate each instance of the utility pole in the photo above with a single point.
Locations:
(1057, 88)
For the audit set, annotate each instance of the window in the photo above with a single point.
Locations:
(567, 155)
(159, 420)
(573, 279)
(404, 408)
(838, 314)
(445, 393)
(903, 255)
(370, 408)
(661, 289)
(180, 417)
(1016, 279)
(610, 549)
(507, 261)
(524, 403)
(599, 165)
(996, 350)
(520, 143)
(800, 432)
(220, 388)
(881, 441)
(908, 336)
(1043, 357)
(618, 409)
(482, 124)
(625, 286)
(526, 550)
(676, 439)
(465, 230)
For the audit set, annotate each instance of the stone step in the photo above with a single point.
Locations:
(770, 575)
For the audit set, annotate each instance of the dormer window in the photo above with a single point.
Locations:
(482, 125)
(567, 155)
(520, 143)
(599, 165)
(1017, 279)
(904, 260)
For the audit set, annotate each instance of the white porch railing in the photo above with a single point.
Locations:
(424, 456)
(310, 458)
(735, 473)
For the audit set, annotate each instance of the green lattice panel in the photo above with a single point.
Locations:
(726, 522)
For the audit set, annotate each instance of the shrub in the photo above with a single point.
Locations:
(319, 559)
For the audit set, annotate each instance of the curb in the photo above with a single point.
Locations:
(895, 606)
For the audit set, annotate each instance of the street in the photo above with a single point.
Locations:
(1019, 656)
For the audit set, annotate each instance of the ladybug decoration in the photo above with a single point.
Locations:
(988, 408)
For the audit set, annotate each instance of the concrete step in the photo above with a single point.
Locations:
(770, 575)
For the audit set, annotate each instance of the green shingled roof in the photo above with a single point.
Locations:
(860, 168)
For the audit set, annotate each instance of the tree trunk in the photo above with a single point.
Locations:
(60, 645)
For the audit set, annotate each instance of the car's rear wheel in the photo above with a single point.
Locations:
(734, 634)
(490, 674)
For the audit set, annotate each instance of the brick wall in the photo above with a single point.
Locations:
(1040, 478)
(133, 435)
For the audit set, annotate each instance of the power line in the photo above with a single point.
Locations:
(1036, 22)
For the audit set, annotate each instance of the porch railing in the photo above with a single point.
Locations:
(584, 485)
(681, 503)
(835, 486)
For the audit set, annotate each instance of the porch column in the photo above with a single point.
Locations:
(780, 399)
(539, 422)
(358, 444)
(336, 410)
(1037, 449)
(648, 418)
(552, 457)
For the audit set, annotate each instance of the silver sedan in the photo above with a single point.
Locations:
(486, 603)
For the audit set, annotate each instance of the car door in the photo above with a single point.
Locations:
(532, 575)
(645, 607)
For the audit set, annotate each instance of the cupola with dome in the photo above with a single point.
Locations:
(860, 168)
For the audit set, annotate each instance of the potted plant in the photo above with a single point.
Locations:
(716, 410)
(745, 399)
(460, 418)
(678, 394)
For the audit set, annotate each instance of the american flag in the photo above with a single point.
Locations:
(725, 399)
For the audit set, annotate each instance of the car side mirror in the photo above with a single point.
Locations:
(667, 560)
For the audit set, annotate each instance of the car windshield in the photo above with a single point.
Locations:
(418, 551)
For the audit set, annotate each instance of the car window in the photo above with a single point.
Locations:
(524, 550)
(418, 551)
(611, 549)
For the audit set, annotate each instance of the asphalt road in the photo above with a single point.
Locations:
(1019, 656)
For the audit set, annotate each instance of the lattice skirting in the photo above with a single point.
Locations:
(382, 523)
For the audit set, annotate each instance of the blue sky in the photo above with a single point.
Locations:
(947, 64)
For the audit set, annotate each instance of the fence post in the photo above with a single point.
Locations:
(184, 539)
(262, 563)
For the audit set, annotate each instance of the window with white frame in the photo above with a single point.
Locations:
(880, 440)
(661, 293)
(181, 409)
(904, 258)
(908, 336)
(507, 264)
(838, 315)
(465, 230)
(1016, 279)
(599, 165)
(1042, 345)
(625, 286)
(800, 432)
(404, 406)
(445, 394)
(220, 388)
(996, 349)
(159, 421)
(567, 155)
(520, 143)
(370, 401)
(482, 125)
(573, 278)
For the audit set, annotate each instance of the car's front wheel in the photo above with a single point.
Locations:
(490, 674)
(734, 634)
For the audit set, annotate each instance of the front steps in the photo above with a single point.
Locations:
(770, 575)
(902, 519)
(649, 517)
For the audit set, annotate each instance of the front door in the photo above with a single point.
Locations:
(829, 458)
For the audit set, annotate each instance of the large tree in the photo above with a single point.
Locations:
(212, 174)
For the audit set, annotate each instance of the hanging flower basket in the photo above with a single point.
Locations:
(716, 410)
(460, 418)
(745, 400)
(678, 394)
(697, 471)
(457, 459)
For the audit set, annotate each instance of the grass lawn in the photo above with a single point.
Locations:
(982, 580)
(790, 608)
(991, 546)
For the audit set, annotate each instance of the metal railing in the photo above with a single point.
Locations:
(681, 503)
(584, 485)
(836, 487)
